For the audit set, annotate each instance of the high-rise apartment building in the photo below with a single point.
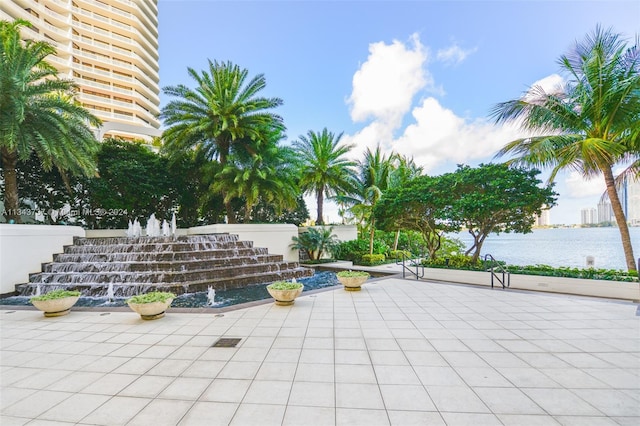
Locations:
(544, 219)
(605, 213)
(588, 216)
(110, 49)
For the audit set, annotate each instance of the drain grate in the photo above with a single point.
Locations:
(226, 343)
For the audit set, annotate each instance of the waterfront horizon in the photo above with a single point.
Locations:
(568, 247)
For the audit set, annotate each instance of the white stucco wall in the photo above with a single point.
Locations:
(23, 248)
(276, 238)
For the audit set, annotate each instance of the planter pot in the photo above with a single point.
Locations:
(151, 311)
(285, 297)
(353, 283)
(56, 307)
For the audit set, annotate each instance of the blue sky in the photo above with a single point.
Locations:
(418, 77)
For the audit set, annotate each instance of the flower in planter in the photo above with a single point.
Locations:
(151, 305)
(56, 303)
(352, 280)
(285, 292)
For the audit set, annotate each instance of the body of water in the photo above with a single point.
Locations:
(560, 247)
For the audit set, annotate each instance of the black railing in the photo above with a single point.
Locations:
(495, 267)
(408, 264)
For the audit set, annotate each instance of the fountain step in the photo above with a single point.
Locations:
(130, 289)
(160, 257)
(157, 247)
(222, 237)
(81, 266)
(156, 277)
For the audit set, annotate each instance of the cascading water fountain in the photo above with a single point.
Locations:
(179, 264)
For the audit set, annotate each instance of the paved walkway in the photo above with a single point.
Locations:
(399, 352)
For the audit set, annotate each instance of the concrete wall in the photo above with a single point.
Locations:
(276, 238)
(596, 288)
(23, 248)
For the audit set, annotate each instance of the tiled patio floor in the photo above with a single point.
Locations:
(399, 352)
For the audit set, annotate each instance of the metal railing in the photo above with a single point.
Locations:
(496, 268)
(408, 264)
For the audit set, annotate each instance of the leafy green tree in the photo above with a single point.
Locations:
(315, 242)
(494, 198)
(222, 114)
(133, 182)
(38, 114)
(46, 190)
(591, 124)
(423, 205)
(325, 169)
(405, 169)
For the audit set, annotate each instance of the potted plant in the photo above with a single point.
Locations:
(285, 292)
(352, 280)
(151, 305)
(56, 303)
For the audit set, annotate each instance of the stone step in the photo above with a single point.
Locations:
(159, 266)
(157, 247)
(154, 277)
(218, 283)
(159, 256)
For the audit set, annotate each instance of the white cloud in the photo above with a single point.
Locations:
(578, 187)
(454, 54)
(384, 86)
(439, 135)
(550, 84)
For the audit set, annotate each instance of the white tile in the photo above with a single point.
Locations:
(187, 388)
(210, 414)
(561, 402)
(313, 394)
(507, 401)
(316, 373)
(352, 416)
(350, 395)
(415, 418)
(268, 392)
(74, 408)
(406, 397)
(320, 416)
(269, 415)
(459, 399)
(226, 390)
(161, 412)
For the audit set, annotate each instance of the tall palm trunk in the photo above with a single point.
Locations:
(616, 206)
(320, 204)
(231, 217)
(11, 201)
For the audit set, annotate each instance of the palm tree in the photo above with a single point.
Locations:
(38, 114)
(325, 170)
(222, 114)
(591, 125)
(269, 175)
(374, 177)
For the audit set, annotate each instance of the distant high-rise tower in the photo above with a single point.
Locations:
(588, 216)
(544, 219)
(110, 49)
(629, 194)
(605, 213)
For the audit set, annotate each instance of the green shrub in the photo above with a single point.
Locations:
(351, 274)
(154, 296)
(590, 273)
(284, 285)
(458, 261)
(56, 294)
(398, 254)
(373, 259)
(354, 250)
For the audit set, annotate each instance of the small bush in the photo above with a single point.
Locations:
(399, 254)
(351, 274)
(56, 294)
(373, 259)
(459, 261)
(284, 285)
(154, 296)
(353, 250)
